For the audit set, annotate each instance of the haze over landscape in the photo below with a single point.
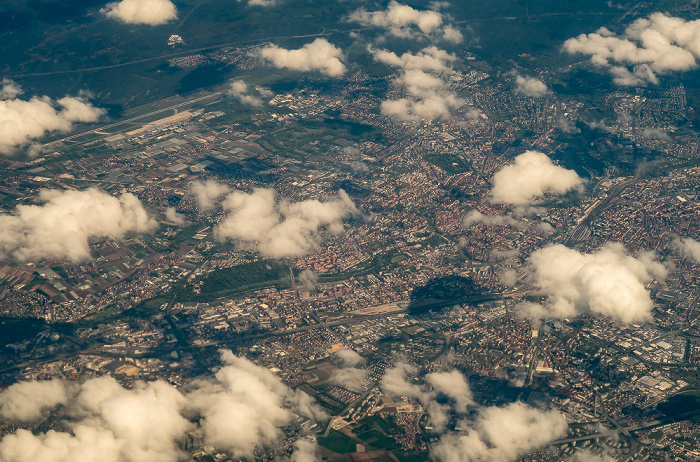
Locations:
(271, 230)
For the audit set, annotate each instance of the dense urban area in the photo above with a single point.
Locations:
(358, 258)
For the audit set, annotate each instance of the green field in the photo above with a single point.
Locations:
(15, 330)
(683, 403)
(377, 439)
(449, 163)
(127, 66)
(376, 264)
(337, 442)
(237, 279)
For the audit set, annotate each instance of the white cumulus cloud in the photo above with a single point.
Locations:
(689, 247)
(239, 410)
(351, 378)
(451, 385)
(112, 423)
(305, 450)
(24, 120)
(26, 401)
(350, 375)
(206, 193)
(61, 227)
(259, 402)
(263, 3)
(648, 47)
(427, 96)
(475, 216)
(173, 217)
(151, 12)
(281, 228)
(350, 357)
(430, 58)
(308, 279)
(501, 434)
(609, 282)
(530, 86)
(319, 55)
(531, 176)
(240, 90)
(407, 22)
(9, 89)
(394, 382)
(497, 434)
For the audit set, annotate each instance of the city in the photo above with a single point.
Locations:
(403, 265)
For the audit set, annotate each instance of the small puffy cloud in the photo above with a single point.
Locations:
(530, 86)
(26, 401)
(110, 423)
(394, 382)
(151, 12)
(264, 92)
(308, 279)
(427, 96)
(359, 167)
(596, 125)
(258, 400)
(350, 358)
(566, 126)
(501, 434)
(239, 89)
(430, 59)
(609, 282)
(263, 3)
(656, 134)
(531, 176)
(22, 121)
(305, 450)
(240, 410)
(508, 277)
(350, 377)
(281, 228)
(407, 22)
(474, 217)
(173, 217)
(452, 34)
(62, 226)
(9, 89)
(425, 103)
(454, 386)
(206, 193)
(497, 434)
(689, 247)
(505, 254)
(649, 47)
(319, 55)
